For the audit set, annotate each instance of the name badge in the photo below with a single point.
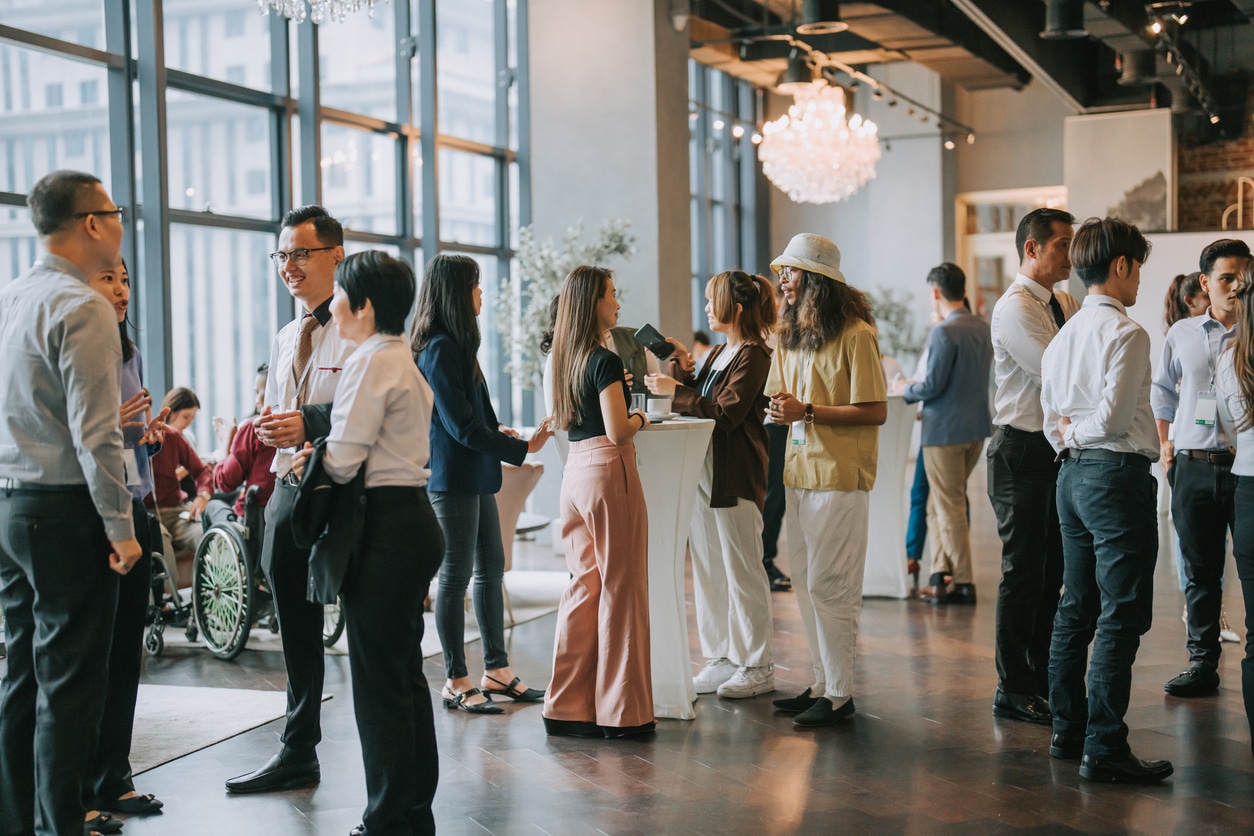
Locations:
(1206, 409)
(799, 433)
(130, 466)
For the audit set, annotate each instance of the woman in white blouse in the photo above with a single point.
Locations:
(380, 421)
(1234, 382)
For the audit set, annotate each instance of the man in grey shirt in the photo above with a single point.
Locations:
(65, 511)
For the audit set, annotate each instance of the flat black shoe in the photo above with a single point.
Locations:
(1129, 770)
(512, 691)
(797, 704)
(572, 728)
(1066, 748)
(277, 775)
(1195, 682)
(102, 823)
(1027, 708)
(457, 702)
(822, 714)
(964, 593)
(613, 732)
(140, 805)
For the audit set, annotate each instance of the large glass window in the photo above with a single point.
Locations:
(357, 60)
(466, 52)
(468, 195)
(227, 40)
(219, 156)
(77, 21)
(359, 178)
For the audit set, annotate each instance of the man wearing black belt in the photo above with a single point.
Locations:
(1021, 467)
(1095, 394)
(1199, 463)
(305, 363)
(65, 511)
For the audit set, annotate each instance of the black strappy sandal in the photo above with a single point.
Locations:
(511, 691)
(458, 703)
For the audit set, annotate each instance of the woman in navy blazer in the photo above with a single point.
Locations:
(467, 448)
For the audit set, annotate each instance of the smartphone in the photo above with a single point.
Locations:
(652, 339)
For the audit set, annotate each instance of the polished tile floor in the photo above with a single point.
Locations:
(922, 755)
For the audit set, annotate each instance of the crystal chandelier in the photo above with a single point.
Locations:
(812, 154)
(318, 10)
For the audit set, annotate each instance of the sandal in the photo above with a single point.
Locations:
(457, 702)
(102, 823)
(139, 805)
(511, 691)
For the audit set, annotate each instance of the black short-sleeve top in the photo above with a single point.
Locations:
(605, 368)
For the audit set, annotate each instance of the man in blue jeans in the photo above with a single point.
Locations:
(1095, 388)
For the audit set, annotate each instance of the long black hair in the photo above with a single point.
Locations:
(128, 347)
(446, 306)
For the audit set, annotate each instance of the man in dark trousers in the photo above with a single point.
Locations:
(66, 530)
(305, 362)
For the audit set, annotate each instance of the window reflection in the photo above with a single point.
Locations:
(359, 178)
(219, 156)
(228, 40)
(466, 57)
(467, 198)
(357, 63)
(77, 21)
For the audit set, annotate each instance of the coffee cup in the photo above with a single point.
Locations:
(658, 406)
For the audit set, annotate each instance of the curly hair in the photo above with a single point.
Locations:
(823, 310)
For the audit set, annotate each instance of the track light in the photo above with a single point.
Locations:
(949, 145)
(1214, 118)
(798, 75)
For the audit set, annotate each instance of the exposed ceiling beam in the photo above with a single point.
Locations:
(950, 24)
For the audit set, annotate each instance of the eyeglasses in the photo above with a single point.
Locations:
(119, 211)
(299, 256)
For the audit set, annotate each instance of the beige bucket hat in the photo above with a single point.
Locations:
(813, 253)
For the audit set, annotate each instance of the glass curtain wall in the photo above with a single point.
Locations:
(208, 121)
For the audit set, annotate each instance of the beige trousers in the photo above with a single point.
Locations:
(948, 468)
(601, 662)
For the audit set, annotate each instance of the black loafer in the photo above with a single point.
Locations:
(571, 728)
(614, 732)
(1066, 748)
(1195, 682)
(1027, 708)
(822, 714)
(1130, 770)
(102, 823)
(796, 705)
(277, 775)
(964, 593)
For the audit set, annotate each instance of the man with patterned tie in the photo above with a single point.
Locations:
(1022, 473)
(305, 362)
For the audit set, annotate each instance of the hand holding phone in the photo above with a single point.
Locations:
(652, 339)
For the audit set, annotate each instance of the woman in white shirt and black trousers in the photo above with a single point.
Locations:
(380, 421)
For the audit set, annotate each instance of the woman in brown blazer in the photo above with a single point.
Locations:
(732, 592)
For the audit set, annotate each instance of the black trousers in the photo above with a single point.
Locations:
(300, 624)
(55, 581)
(773, 510)
(1204, 511)
(1022, 477)
(382, 597)
(109, 774)
(1243, 549)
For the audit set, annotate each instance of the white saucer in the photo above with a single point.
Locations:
(661, 416)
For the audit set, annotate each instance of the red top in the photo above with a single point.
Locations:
(176, 451)
(248, 463)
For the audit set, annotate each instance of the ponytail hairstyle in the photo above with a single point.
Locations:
(576, 334)
(1176, 305)
(446, 306)
(1242, 346)
(754, 295)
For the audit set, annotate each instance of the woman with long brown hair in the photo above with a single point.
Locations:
(602, 683)
(1234, 382)
(733, 595)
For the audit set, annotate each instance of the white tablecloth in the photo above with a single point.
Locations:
(886, 542)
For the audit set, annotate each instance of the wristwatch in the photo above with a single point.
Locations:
(809, 416)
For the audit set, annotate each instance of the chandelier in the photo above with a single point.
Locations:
(812, 154)
(318, 10)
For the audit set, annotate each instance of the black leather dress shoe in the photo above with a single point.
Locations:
(1195, 682)
(571, 728)
(613, 732)
(797, 704)
(1130, 770)
(823, 714)
(1066, 748)
(1027, 708)
(277, 774)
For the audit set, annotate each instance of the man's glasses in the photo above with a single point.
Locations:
(298, 256)
(119, 211)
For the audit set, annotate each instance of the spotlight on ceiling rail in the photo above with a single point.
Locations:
(798, 75)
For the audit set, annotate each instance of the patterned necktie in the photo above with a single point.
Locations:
(1059, 316)
(304, 352)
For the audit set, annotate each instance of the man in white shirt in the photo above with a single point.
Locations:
(1199, 463)
(1095, 393)
(305, 364)
(1021, 469)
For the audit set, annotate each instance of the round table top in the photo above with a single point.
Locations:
(678, 423)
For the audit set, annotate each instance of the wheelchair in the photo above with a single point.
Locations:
(229, 592)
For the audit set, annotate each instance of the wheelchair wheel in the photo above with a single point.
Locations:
(154, 642)
(332, 623)
(222, 591)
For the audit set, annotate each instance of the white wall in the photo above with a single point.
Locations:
(1019, 138)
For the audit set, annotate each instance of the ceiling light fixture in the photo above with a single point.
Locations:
(798, 75)
(821, 17)
(319, 11)
(813, 154)
(1064, 20)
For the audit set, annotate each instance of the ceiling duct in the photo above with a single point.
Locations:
(1138, 66)
(821, 17)
(1064, 20)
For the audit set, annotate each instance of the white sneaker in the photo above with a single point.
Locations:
(749, 682)
(714, 674)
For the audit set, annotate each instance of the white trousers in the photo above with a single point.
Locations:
(733, 595)
(827, 537)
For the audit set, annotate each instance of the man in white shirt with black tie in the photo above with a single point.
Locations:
(1021, 469)
(305, 364)
(1095, 395)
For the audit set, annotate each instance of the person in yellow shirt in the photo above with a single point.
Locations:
(826, 385)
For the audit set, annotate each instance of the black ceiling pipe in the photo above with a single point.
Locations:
(1064, 20)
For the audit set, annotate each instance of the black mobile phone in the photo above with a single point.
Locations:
(652, 339)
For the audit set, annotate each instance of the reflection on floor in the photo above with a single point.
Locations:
(923, 755)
